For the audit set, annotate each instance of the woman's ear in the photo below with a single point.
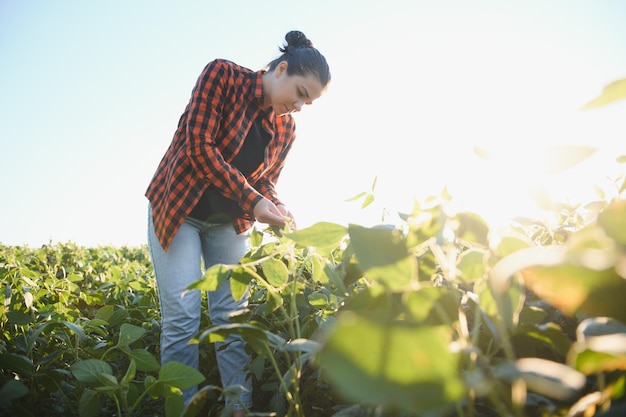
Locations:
(281, 68)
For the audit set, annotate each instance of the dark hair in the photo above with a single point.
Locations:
(302, 58)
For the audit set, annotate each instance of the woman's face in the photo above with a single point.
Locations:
(289, 93)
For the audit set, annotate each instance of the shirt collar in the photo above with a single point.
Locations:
(257, 91)
(257, 85)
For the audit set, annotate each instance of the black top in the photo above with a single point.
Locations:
(213, 207)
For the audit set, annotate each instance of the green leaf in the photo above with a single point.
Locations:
(10, 391)
(369, 199)
(552, 379)
(573, 288)
(19, 364)
(600, 346)
(129, 333)
(273, 301)
(325, 274)
(612, 92)
(197, 402)
(388, 363)
(174, 405)
(18, 318)
(471, 264)
(511, 243)
(533, 340)
(75, 328)
(599, 354)
(599, 326)
(317, 299)
(145, 361)
(472, 228)
(91, 371)
(323, 236)
(318, 266)
(275, 272)
(356, 197)
(130, 374)
(152, 387)
(373, 188)
(239, 282)
(257, 337)
(213, 278)
(613, 221)
(383, 255)
(433, 306)
(256, 238)
(89, 404)
(307, 346)
(179, 375)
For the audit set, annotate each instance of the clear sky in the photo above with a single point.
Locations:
(91, 92)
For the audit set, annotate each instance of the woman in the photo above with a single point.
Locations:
(216, 179)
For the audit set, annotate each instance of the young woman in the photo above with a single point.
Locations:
(215, 180)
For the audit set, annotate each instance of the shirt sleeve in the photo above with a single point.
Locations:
(210, 98)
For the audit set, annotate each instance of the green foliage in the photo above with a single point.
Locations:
(80, 334)
(431, 317)
(437, 316)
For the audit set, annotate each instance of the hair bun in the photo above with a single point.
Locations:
(297, 39)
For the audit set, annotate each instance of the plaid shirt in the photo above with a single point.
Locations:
(224, 103)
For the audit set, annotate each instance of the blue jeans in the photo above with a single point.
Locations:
(180, 315)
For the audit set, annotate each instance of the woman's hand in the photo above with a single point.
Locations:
(287, 215)
(266, 212)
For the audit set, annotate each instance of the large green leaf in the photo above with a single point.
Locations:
(584, 276)
(145, 361)
(275, 272)
(574, 288)
(613, 92)
(383, 256)
(91, 371)
(324, 236)
(179, 375)
(389, 363)
(129, 333)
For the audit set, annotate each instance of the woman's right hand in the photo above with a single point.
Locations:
(266, 212)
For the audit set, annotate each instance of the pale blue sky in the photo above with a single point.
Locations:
(90, 94)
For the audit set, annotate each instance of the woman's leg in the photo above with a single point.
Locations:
(221, 244)
(180, 315)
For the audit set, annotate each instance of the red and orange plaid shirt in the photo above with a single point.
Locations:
(225, 101)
